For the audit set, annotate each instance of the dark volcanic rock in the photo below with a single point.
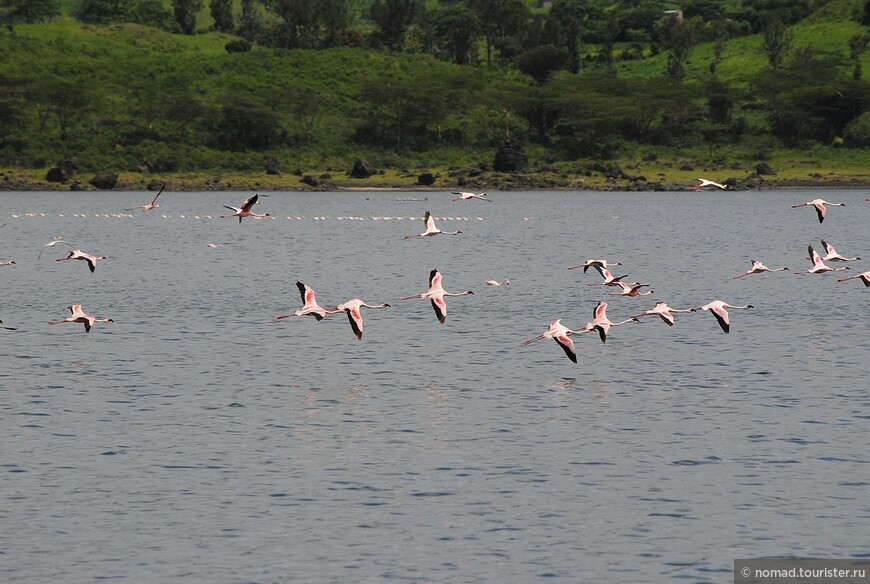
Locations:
(426, 179)
(509, 159)
(104, 180)
(62, 172)
(310, 180)
(362, 169)
(764, 168)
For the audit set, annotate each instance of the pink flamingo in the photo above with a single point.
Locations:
(757, 268)
(831, 254)
(9, 263)
(352, 308)
(819, 204)
(864, 277)
(78, 254)
(717, 308)
(310, 306)
(609, 279)
(559, 333)
(504, 282)
(819, 266)
(436, 294)
(703, 182)
(245, 209)
(431, 230)
(153, 204)
(632, 289)
(463, 196)
(598, 264)
(601, 323)
(79, 316)
(665, 312)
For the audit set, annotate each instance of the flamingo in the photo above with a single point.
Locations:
(609, 279)
(310, 306)
(864, 277)
(819, 266)
(153, 204)
(463, 196)
(431, 230)
(599, 265)
(8, 328)
(504, 282)
(559, 333)
(831, 254)
(757, 268)
(703, 182)
(245, 210)
(665, 312)
(9, 263)
(601, 323)
(211, 245)
(77, 254)
(819, 204)
(436, 294)
(632, 289)
(717, 307)
(78, 315)
(352, 308)
(56, 241)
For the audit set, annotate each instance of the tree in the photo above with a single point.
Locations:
(28, 11)
(334, 19)
(679, 37)
(185, 14)
(541, 61)
(857, 46)
(566, 21)
(222, 13)
(392, 18)
(499, 19)
(246, 123)
(250, 23)
(456, 28)
(151, 13)
(777, 43)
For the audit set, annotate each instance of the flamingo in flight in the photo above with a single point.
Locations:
(819, 266)
(598, 264)
(831, 254)
(632, 289)
(354, 315)
(77, 254)
(864, 277)
(309, 304)
(436, 294)
(431, 230)
(77, 315)
(56, 241)
(463, 196)
(601, 323)
(9, 263)
(504, 282)
(559, 333)
(717, 308)
(153, 204)
(609, 279)
(819, 204)
(245, 209)
(703, 182)
(757, 268)
(8, 328)
(665, 312)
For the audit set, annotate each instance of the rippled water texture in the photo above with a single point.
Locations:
(198, 438)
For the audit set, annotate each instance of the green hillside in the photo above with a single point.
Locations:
(147, 101)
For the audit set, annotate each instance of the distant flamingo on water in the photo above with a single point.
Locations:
(431, 230)
(717, 308)
(310, 306)
(757, 268)
(436, 294)
(463, 196)
(819, 205)
(245, 209)
(559, 333)
(703, 183)
(665, 312)
(598, 264)
(504, 282)
(77, 315)
(831, 254)
(78, 254)
(153, 204)
(354, 315)
(864, 277)
(819, 266)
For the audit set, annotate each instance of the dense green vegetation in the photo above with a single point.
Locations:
(160, 86)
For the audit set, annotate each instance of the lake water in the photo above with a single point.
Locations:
(197, 438)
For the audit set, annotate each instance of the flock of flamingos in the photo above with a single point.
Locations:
(436, 294)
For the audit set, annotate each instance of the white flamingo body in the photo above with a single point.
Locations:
(864, 277)
(464, 196)
(665, 312)
(309, 304)
(601, 323)
(632, 289)
(609, 279)
(718, 309)
(78, 254)
(757, 268)
(703, 183)
(431, 230)
(504, 282)
(56, 241)
(77, 315)
(819, 266)
(561, 334)
(153, 204)
(437, 294)
(598, 264)
(831, 254)
(819, 205)
(246, 209)
(354, 315)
